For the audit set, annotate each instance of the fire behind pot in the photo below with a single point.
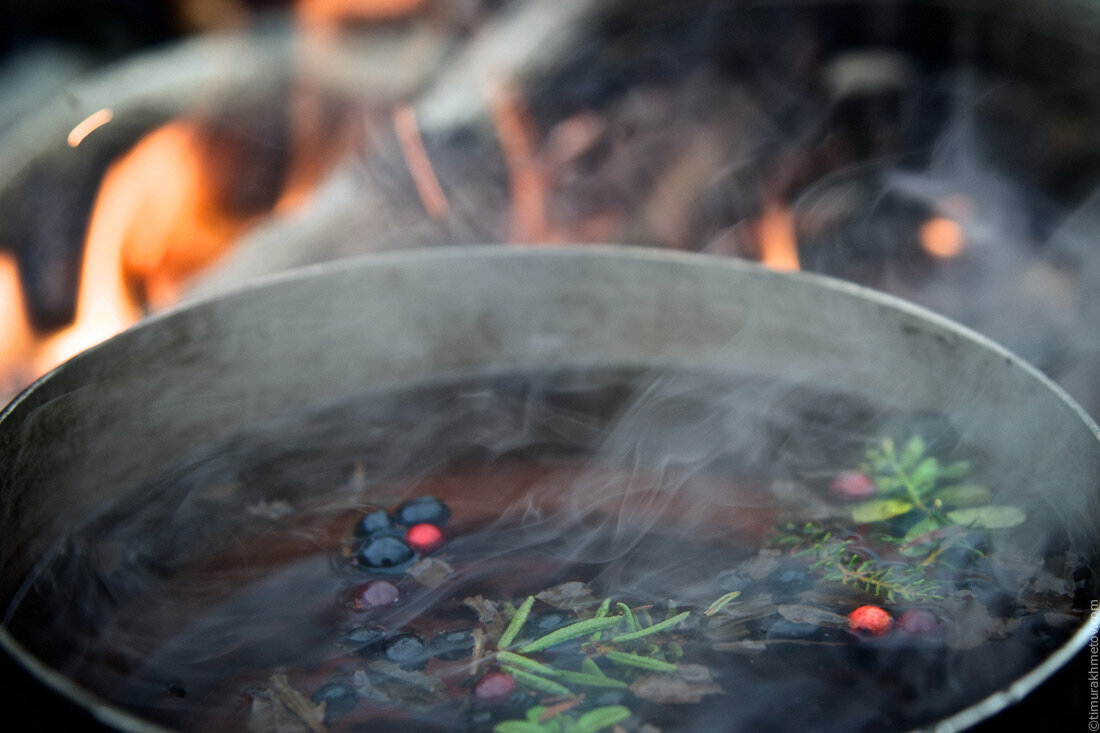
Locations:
(586, 444)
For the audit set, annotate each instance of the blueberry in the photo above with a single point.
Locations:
(365, 641)
(423, 510)
(339, 699)
(385, 553)
(373, 523)
(546, 622)
(450, 646)
(407, 649)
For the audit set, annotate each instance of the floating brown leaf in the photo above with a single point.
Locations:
(689, 684)
(800, 614)
(282, 709)
(430, 572)
(571, 596)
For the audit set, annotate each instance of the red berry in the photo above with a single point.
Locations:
(423, 537)
(376, 593)
(871, 619)
(853, 485)
(494, 687)
(918, 621)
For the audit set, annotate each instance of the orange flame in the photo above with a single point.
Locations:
(16, 338)
(88, 125)
(518, 141)
(324, 12)
(942, 237)
(778, 242)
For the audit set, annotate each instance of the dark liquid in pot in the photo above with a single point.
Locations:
(640, 489)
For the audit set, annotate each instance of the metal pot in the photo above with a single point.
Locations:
(103, 434)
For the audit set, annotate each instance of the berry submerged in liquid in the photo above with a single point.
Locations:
(424, 537)
(375, 594)
(373, 523)
(423, 510)
(406, 649)
(871, 620)
(385, 553)
(853, 485)
(494, 687)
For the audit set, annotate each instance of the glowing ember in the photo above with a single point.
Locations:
(517, 135)
(412, 146)
(778, 245)
(942, 237)
(88, 125)
(335, 11)
(16, 337)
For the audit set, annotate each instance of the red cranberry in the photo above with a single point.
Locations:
(376, 593)
(494, 687)
(853, 485)
(424, 537)
(918, 621)
(870, 619)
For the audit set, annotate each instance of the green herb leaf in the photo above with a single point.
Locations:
(954, 471)
(633, 660)
(925, 474)
(531, 665)
(991, 516)
(631, 622)
(590, 667)
(722, 602)
(880, 509)
(918, 540)
(535, 682)
(523, 726)
(912, 452)
(516, 624)
(588, 680)
(964, 495)
(572, 631)
(654, 629)
(600, 718)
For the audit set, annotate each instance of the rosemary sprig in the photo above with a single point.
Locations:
(627, 659)
(518, 660)
(589, 680)
(570, 632)
(519, 618)
(536, 682)
(654, 629)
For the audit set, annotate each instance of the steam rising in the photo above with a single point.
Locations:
(644, 484)
(636, 480)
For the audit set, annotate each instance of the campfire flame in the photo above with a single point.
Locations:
(160, 217)
(943, 235)
(327, 12)
(778, 242)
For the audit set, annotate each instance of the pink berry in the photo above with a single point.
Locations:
(494, 687)
(853, 485)
(423, 537)
(376, 593)
(870, 619)
(918, 621)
